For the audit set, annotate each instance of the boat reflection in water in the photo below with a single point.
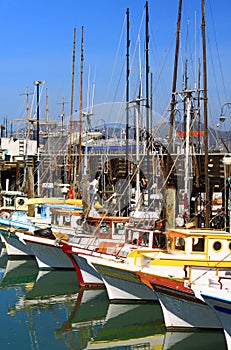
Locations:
(134, 325)
(51, 310)
(86, 318)
(3, 256)
(19, 272)
(141, 327)
(205, 340)
(50, 287)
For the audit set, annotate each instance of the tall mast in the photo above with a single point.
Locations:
(207, 206)
(170, 196)
(47, 111)
(199, 108)
(81, 101)
(127, 90)
(63, 111)
(47, 107)
(173, 101)
(147, 93)
(71, 110)
(27, 93)
(151, 98)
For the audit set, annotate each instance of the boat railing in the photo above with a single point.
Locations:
(206, 274)
(222, 279)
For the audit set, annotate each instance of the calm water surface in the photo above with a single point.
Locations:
(47, 310)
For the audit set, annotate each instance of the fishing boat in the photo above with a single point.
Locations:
(8, 231)
(198, 247)
(48, 250)
(182, 309)
(12, 231)
(216, 294)
(135, 237)
(51, 215)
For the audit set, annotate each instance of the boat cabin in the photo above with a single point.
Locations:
(201, 247)
(12, 201)
(145, 237)
(206, 244)
(65, 217)
(108, 227)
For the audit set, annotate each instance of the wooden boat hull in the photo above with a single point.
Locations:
(48, 253)
(181, 308)
(88, 276)
(16, 247)
(124, 285)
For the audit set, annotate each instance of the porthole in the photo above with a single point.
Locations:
(21, 201)
(217, 245)
(229, 245)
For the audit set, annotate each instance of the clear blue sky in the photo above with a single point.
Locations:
(36, 41)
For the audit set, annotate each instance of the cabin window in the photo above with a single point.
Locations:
(198, 244)
(159, 241)
(41, 210)
(135, 237)
(141, 239)
(56, 219)
(217, 245)
(89, 227)
(179, 243)
(67, 220)
(229, 245)
(21, 201)
(104, 228)
(119, 228)
(145, 238)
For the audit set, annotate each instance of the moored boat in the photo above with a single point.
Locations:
(181, 307)
(218, 298)
(84, 258)
(105, 233)
(203, 248)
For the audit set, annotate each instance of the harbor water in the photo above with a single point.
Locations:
(47, 310)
